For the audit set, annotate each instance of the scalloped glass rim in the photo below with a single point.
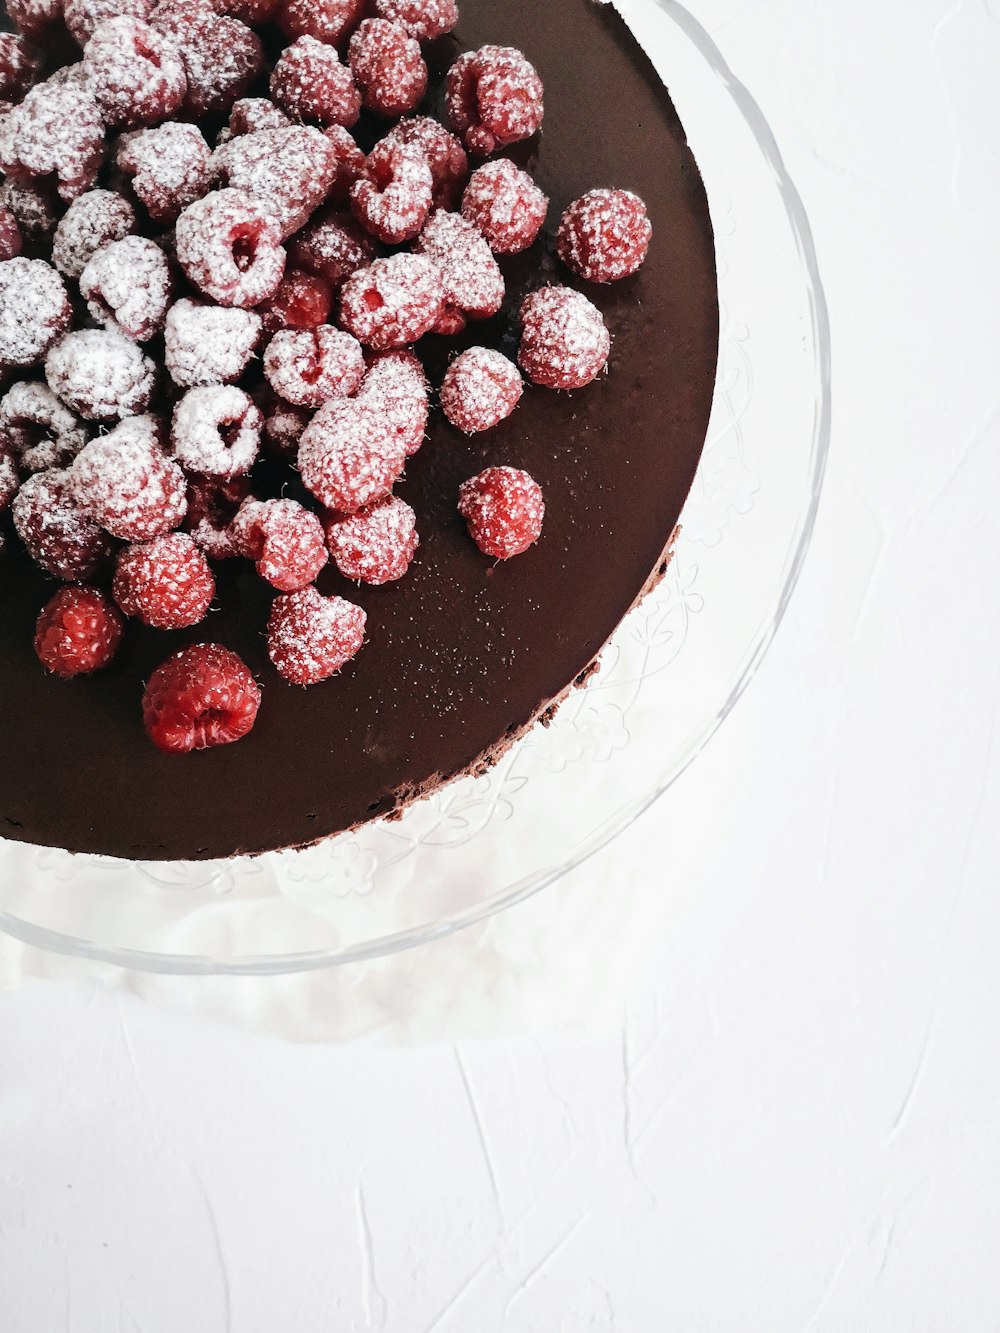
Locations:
(744, 666)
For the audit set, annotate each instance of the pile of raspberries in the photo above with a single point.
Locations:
(184, 207)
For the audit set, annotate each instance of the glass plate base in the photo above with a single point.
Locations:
(670, 676)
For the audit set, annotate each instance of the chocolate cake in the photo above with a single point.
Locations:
(465, 653)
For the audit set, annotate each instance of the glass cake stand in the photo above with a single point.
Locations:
(670, 676)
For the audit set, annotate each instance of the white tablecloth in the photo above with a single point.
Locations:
(778, 1110)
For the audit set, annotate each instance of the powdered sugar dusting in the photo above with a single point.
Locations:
(395, 195)
(605, 235)
(166, 583)
(124, 482)
(425, 20)
(310, 83)
(505, 509)
(333, 247)
(169, 166)
(388, 67)
(94, 220)
(308, 367)
(83, 16)
(447, 159)
(350, 456)
(493, 97)
(208, 344)
(221, 55)
(58, 536)
(216, 431)
(34, 310)
(311, 637)
(481, 388)
(377, 545)
(565, 343)
(32, 208)
(100, 374)
(37, 428)
(290, 171)
(134, 73)
(127, 284)
(506, 205)
(397, 387)
(9, 478)
(251, 114)
(284, 538)
(229, 246)
(57, 130)
(473, 283)
(393, 302)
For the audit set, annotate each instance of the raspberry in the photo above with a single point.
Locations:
(208, 344)
(100, 374)
(221, 56)
(38, 429)
(251, 114)
(92, 221)
(10, 236)
(605, 236)
(229, 245)
(504, 509)
(57, 535)
(34, 311)
(165, 583)
(168, 166)
(251, 12)
(395, 195)
(397, 388)
(283, 427)
(333, 247)
(83, 16)
(200, 697)
(311, 637)
(33, 17)
(289, 171)
(78, 632)
(126, 483)
(134, 73)
(493, 97)
(445, 156)
(303, 301)
(19, 66)
(285, 539)
(481, 389)
(127, 285)
(174, 18)
(564, 341)
(426, 20)
(72, 75)
(57, 130)
(388, 67)
(9, 479)
(350, 163)
(32, 205)
(349, 455)
(216, 431)
(473, 283)
(329, 21)
(376, 545)
(392, 302)
(310, 83)
(506, 205)
(211, 508)
(308, 367)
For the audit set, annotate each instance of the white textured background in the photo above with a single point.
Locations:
(783, 1113)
